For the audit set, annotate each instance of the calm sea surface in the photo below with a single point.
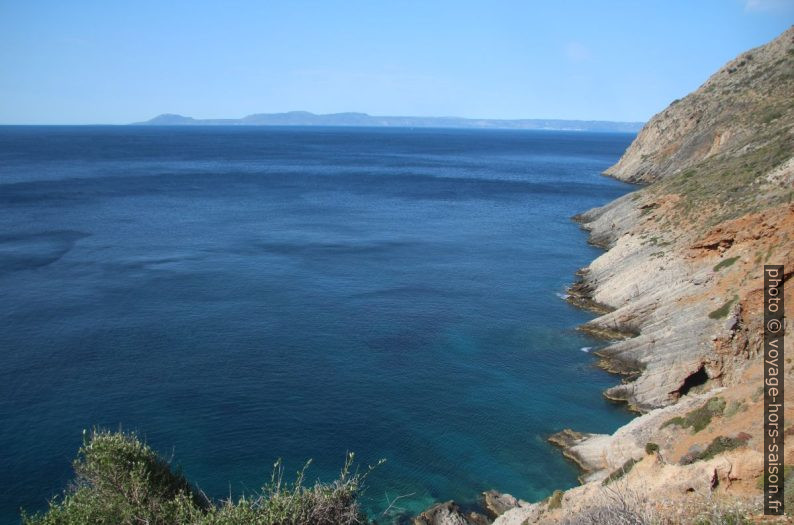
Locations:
(236, 295)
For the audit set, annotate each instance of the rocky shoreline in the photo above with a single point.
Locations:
(678, 298)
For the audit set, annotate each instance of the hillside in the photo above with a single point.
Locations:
(679, 294)
(744, 107)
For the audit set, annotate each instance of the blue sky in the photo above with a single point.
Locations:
(115, 62)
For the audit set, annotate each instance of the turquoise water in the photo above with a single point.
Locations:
(241, 294)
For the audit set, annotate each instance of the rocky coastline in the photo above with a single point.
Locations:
(678, 298)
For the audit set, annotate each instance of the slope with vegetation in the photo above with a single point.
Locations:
(120, 480)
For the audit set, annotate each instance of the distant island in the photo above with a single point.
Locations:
(305, 118)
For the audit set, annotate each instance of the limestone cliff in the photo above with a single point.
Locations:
(679, 293)
(680, 289)
(683, 269)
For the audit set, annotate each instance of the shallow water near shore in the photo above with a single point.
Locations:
(236, 295)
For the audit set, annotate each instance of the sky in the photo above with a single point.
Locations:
(115, 62)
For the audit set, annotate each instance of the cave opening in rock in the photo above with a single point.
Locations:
(694, 380)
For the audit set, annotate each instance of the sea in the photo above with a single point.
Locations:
(236, 295)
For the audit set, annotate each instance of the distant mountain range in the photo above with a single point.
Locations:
(304, 118)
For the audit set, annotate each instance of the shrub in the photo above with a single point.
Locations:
(699, 418)
(718, 445)
(678, 420)
(725, 263)
(734, 408)
(721, 444)
(121, 481)
(651, 448)
(555, 500)
(723, 310)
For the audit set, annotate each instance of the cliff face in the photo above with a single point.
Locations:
(683, 269)
(679, 291)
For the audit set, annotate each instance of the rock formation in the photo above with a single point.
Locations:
(679, 292)
(681, 283)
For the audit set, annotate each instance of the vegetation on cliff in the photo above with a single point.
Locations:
(718, 148)
(119, 480)
(742, 112)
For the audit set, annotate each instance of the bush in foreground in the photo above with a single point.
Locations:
(120, 480)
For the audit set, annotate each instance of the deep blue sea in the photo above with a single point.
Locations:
(236, 295)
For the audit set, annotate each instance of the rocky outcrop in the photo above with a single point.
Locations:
(679, 297)
(661, 278)
(683, 274)
(449, 513)
(671, 465)
(497, 503)
(582, 449)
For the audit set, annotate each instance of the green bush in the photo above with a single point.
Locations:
(725, 263)
(555, 500)
(723, 310)
(734, 408)
(717, 446)
(651, 448)
(699, 418)
(721, 444)
(121, 481)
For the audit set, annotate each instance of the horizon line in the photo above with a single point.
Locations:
(215, 121)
